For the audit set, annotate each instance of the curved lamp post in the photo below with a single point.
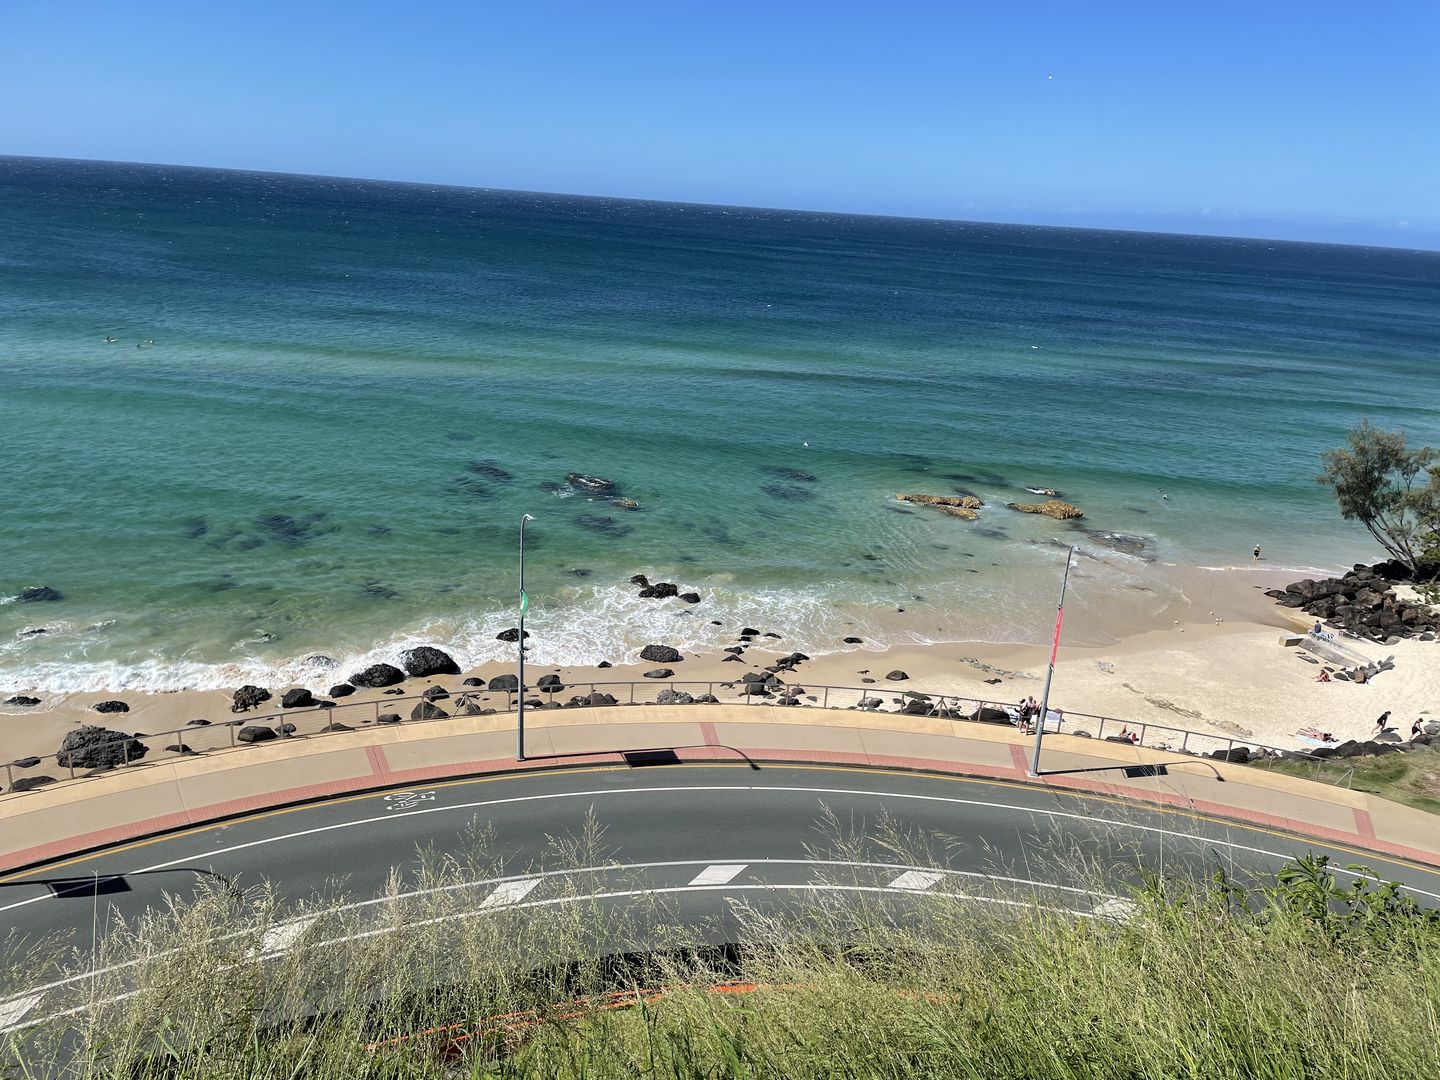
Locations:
(520, 644)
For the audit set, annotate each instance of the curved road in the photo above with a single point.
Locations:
(700, 835)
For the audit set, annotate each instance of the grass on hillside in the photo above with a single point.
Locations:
(1311, 978)
(1411, 778)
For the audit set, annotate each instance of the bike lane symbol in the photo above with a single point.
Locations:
(407, 800)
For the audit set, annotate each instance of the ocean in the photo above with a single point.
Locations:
(328, 402)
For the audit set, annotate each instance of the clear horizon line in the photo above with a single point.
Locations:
(733, 206)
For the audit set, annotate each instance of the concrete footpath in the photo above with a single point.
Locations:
(142, 800)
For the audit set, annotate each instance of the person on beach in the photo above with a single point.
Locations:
(1257, 552)
(1324, 676)
(1415, 729)
(1380, 722)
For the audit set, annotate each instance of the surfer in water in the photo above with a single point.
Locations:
(109, 340)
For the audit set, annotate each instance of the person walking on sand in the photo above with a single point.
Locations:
(1257, 552)
(1381, 721)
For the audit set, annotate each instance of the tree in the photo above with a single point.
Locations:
(1390, 489)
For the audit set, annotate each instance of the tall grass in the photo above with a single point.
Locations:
(1300, 978)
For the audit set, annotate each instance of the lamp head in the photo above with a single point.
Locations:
(528, 517)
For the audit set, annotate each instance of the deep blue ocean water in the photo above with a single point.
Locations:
(345, 394)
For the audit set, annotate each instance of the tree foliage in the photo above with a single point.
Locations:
(1390, 489)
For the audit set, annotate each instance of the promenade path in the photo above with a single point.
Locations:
(47, 825)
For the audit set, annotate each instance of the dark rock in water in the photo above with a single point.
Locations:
(378, 590)
(299, 698)
(294, 532)
(388, 718)
(491, 471)
(854, 641)
(33, 631)
(197, 723)
(90, 747)
(787, 473)
(660, 654)
(673, 697)
(606, 526)
(593, 485)
(1124, 543)
(435, 693)
(22, 699)
(716, 622)
(194, 528)
(504, 682)
(689, 597)
(320, 661)
(426, 660)
(256, 733)
(377, 529)
(377, 675)
(580, 572)
(25, 762)
(459, 436)
(39, 593)
(897, 676)
(604, 663)
(788, 492)
(397, 691)
(512, 635)
(30, 783)
(659, 673)
(473, 682)
(641, 580)
(771, 634)
(749, 631)
(343, 689)
(110, 707)
(427, 711)
(661, 590)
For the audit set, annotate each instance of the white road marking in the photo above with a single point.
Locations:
(281, 936)
(511, 892)
(602, 792)
(1116, 909)
(14, 1010)
(915, 880)
(718, 874)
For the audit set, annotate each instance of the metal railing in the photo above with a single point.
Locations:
(315, 721)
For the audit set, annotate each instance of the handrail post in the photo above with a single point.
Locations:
(632, 691)
(9, 777)
(825, 701)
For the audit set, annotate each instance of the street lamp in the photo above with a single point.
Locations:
(520, 643)
(1050, 672)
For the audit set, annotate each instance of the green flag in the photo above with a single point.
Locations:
(524, 603)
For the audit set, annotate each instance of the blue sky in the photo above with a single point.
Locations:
(1294, 120)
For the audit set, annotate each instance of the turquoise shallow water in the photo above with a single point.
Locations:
(355, 389)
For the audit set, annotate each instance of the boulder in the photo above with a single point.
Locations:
(1052, 508)
(749, 631)
(673, 697)
(343, 689)
(689, 597)
(256, 733)
(660, 673)
(512, 635)
(388, 718)
(22, 699)
(30, 783)
(597, 698)
(426, 710)
(751, 689)
(504, 682)
(1239, 755)
(110, 707)
(735, 650)
(394, 691)
(335, 725)
(661, 654)
(435, 693)
(963, 502)
(197, 723)
(897, 676)
(377, 675)
(299, 698)
(473, 682)
(641, 580)
(854, 641)
(661, 590)
(870, 703)
(604, 664)
(551, 684)
(179, 748)
(249, 697)
(25, 762)
(39, 594)
(425, 660)
(985, 714)
(707, 699)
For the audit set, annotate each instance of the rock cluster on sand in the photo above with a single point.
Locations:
(377, 675)
(1362, 602)
(249, 697)
(1054, 508)
(90, 747)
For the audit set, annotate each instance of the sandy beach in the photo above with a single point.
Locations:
(1212, 664)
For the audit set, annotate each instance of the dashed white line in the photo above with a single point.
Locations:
(511, 892)
(915, 880)
(718, 874)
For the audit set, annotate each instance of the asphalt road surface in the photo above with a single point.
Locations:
(701, 836)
